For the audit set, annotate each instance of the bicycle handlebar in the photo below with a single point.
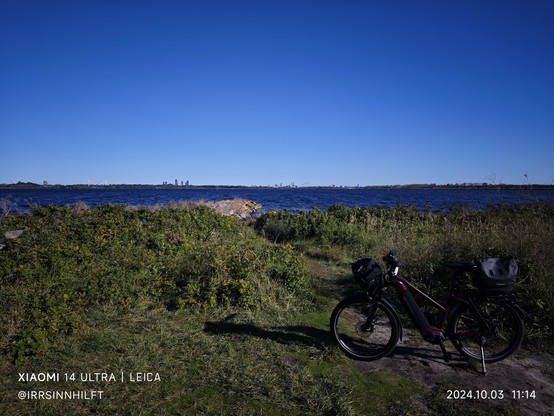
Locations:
(390, 260)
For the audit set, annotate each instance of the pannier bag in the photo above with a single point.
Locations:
(369, 275)
(495, 275)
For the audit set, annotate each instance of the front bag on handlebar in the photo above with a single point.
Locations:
(369, 275)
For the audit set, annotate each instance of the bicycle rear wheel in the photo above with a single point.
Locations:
(364, 329)
(500, 337)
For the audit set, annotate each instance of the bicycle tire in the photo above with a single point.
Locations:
(356, 336)
(503, 337)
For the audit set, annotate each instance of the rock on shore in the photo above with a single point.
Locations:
(12, 235)
(239, 208)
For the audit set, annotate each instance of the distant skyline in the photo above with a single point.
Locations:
(269, 92)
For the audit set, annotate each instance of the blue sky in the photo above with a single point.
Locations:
(266, 92)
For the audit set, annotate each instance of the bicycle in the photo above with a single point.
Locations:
(484, 324)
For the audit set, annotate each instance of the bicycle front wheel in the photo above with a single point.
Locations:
(364, 329)
(499, 332)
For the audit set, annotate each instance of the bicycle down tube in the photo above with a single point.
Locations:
(419, 319)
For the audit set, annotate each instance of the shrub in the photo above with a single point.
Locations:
(71, 259)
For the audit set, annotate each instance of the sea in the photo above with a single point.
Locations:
(291, 199)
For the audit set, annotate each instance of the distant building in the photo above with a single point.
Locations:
(45, 183)
(176, 183)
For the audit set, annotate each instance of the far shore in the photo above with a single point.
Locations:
(462, 186)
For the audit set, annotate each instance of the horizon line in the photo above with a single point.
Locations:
(45, 184)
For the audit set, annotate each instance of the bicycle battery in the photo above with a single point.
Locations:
(416, 314)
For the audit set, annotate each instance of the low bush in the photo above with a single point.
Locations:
(70, 259)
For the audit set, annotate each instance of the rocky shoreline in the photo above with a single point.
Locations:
(242, 209)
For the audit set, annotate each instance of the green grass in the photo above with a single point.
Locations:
(218, 361)
(70, 260)
(234, 321)
(231, 323)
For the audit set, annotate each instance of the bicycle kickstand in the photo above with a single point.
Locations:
(481, 344)
(447, 355)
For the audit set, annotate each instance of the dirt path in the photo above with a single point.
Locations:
(424, 362)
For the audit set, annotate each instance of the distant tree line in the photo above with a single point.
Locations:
(483, 185)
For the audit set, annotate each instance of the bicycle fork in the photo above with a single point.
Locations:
(370, 318)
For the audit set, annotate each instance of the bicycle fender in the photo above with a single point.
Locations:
(453, 312)
(522, 314)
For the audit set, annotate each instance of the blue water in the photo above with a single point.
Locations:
(294, 199)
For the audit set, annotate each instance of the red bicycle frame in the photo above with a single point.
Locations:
(431, 333)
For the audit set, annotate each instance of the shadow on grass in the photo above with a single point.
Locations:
(319, 338)
(309, 336)
(293, 334)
